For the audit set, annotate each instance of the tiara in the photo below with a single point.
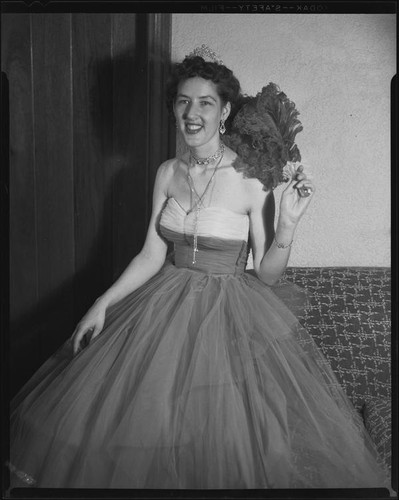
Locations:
(206, 53)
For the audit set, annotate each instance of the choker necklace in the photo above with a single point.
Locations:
(207, 160)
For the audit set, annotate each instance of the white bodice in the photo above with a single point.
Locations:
(215, 222)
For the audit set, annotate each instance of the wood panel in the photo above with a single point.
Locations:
(162, 141)
(93, 166)
(130, 82)
(141, 124)
(16, 63)
(54, 176)
(87, 132)
(4, 249)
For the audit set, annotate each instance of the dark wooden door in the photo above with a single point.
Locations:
(88, 129)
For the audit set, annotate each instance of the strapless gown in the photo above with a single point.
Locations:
(202, 378)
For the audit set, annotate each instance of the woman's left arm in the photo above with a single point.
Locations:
(270, 265)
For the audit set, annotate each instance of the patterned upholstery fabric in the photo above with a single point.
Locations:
(347, 312)
(377, 419)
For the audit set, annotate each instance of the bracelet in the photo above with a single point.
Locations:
(281, 245)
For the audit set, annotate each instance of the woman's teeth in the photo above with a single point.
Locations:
(193, 129)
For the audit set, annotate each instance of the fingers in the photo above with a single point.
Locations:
(300, 174)
(96, 331)
(291, 186)
(79, 334)
(77, 338)
(294, 170)
(304, 191)
(293, 174)
(300, 182)
(297, 195)
(305, 188)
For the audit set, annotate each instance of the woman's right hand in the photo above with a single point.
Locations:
(92, 321)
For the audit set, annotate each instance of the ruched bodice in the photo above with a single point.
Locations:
(221, 238)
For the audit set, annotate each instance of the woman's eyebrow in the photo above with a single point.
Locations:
(208, 97)
(201, 97)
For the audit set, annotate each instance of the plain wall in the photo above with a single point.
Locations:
(338, 71)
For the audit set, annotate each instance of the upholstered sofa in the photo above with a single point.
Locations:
(348, 312)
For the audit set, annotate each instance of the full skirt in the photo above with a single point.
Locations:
(197, 381)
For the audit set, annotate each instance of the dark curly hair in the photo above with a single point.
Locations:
(227, 85)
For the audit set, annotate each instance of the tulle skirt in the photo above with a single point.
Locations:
(197, 381)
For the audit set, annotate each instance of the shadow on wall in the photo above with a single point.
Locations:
(110, 210)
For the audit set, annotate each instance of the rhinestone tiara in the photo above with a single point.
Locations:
(206, 53)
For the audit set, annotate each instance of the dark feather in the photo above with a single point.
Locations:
(263, 135)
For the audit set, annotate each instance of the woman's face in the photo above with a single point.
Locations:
(198, 111)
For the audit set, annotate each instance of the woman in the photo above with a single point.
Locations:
(201, 377)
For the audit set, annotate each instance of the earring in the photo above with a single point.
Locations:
(222, 128)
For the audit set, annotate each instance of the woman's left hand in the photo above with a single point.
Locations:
(293, 204)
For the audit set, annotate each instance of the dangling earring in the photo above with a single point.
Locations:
(222, 128)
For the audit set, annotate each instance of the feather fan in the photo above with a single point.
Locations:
(263, 135)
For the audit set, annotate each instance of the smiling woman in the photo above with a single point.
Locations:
(199, 112)
(201, 377)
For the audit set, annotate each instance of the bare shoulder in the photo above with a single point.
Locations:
(167, 171)
(168, 167)
(255, 191)
(236, 191)
(252, 192)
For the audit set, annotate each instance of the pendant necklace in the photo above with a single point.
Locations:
(199, 203)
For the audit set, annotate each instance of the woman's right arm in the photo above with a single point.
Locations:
(145, 265)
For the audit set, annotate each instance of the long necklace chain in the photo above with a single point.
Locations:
(206, 161)
(199, 203)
